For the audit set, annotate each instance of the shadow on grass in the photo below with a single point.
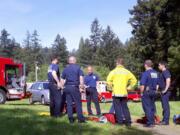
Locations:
(20, 121)
(21, 104)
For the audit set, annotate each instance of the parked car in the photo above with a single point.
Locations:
(39, 93)
(134, 96)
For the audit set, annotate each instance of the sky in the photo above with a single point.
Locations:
(69, 18)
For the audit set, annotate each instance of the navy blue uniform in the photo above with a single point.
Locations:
(91, 92)
(165, 97)
(55, 93)
(149, 79)
(72, 75)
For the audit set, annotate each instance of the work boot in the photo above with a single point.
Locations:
(81, 121)
(163, 123)
(149, 125)
(71, 120)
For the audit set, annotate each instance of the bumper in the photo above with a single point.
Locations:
(15, 96)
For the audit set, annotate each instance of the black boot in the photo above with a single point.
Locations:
(71, 120)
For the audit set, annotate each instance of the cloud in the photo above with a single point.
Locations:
(10, 6)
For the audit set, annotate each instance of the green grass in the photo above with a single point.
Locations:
(20, 118)
(137, 111)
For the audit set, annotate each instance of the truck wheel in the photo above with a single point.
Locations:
(2, 97)
(43, 102)
(31, 102)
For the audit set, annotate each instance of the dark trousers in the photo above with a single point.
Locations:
(165, 106)
(148, 103)
(112, 109)
(63, 102)
(121, 109)
(92, 95)
(73, 95)
(55, 100)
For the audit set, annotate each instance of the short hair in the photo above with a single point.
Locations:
(149, 63)
(89, 66)
(120, 61)
(53, 57)
(163, 63)
(72, 59)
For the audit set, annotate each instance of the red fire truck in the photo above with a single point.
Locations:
(103, 94)
(12, 80)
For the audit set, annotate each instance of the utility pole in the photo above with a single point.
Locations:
(36, 69)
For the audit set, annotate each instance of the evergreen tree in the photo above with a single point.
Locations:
(36, 47)
(4, 43)
(96, 31)
(95, 38)
(109, 50)
(13, 49)
(59, 49)
(27, 53)
(132, 57)
(85, 52)
(146, 29)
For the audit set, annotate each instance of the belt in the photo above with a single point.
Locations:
(71, 85)
(53, 83)
(92, 87)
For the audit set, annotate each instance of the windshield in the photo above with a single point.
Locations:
(12, 71)
(13, 76)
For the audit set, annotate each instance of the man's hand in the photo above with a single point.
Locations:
(59, 85)
(82, 88)
(86, 86)
(164, 91)
(129, 88)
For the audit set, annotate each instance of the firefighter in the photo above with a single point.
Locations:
(91, 81)
(54, 87)
(164, 85)
(148, 87)
(121, 79)
(73, 82)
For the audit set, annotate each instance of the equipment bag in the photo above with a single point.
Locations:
(143, 120)
(176, 119)
(108, 117)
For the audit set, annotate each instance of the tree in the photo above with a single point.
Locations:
(156, 31)
(8, 47)
(73, 52)
(132, 57)
(169, 20)
(14, 49)
(96, 31)
(109, 49)
(85, 52)
(146, 29)
(27, 41)
(95, 38)
(4, 43)
(27, 53)
(59, 49)
(36, 47)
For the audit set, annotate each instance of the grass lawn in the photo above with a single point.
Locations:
(20, 118)
(136, 108)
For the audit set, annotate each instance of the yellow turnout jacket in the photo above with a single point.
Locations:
(121, 78)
